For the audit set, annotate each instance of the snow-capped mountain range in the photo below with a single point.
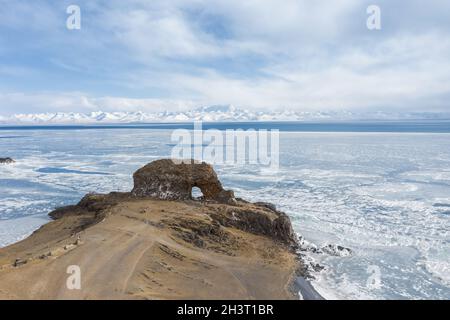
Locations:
(206, 114)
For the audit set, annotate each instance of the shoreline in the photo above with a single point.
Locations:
(307, 290)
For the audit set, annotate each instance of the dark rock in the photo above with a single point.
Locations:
(6, 160)
(306, 246)
(91, 204)
(173, 180)
(267, 205)
(19, 262)
(282, 229)
(246, 220)
(226, 196)
(257, 222)
(337, 250)
(317, 267)
(93, 209)
(94, 202)
(45, 255)
(58, 213)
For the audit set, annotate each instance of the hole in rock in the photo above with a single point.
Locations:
(196, 193)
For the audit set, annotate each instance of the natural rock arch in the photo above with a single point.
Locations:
(170, 180)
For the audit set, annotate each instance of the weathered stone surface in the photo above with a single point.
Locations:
(6, 160)
(267, 205)
(282, 229)
(275, 225)
(166, 180)
(91, 204)
(169, 180)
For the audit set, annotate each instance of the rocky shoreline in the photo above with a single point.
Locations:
(157, 242)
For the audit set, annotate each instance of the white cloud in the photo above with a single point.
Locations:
(257, 54)
(81, 102)
(406, 73)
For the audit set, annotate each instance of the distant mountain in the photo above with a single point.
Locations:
(207, 114)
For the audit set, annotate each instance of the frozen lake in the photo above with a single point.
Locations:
(385, 195)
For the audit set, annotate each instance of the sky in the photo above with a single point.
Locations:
(155, 55)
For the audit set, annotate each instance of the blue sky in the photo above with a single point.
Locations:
(258, 54)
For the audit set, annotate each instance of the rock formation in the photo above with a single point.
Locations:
(169, 180)
(149, 248)
(6, 160)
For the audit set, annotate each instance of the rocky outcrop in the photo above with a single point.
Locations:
(166, 180)
(169, 180)
(92, 204)
(6, 160)
(259, 220)
(148, 248)
(152, 249)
